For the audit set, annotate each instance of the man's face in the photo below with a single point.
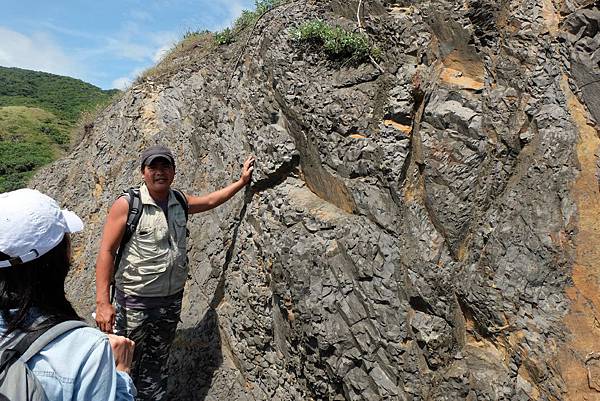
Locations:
(158, 175)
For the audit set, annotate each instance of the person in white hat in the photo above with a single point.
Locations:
(35, 254)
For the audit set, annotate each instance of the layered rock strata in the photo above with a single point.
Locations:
(425, 232)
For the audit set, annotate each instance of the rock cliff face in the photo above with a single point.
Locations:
(429, 232)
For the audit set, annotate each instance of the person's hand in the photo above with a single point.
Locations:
(105, 317)
(247, 170)
(122, 348)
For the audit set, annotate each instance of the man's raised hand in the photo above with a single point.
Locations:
(248, 169)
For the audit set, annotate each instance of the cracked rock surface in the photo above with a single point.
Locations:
(430, 232)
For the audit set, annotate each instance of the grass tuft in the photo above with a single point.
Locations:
(335, 41)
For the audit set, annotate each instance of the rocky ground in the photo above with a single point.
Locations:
(427, 228)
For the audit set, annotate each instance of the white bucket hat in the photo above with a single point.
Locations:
(31, 224)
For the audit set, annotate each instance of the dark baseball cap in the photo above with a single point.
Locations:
(154, 152)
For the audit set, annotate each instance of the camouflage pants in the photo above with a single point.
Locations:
(153, 331)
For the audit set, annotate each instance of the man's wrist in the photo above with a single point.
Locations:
(102, 302)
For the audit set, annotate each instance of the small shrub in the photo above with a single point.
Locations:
(376, 53)
(262, 6)
(191, 35)
(224, 37)
(335, 41)
(60, 137)
(248, 18)
(245, 20)
(18, 162)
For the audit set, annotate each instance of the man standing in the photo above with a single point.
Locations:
(153, 267)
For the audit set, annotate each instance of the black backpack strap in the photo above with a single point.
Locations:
(16, 346)
(27, 344)
(181, 198)
(134, 214)
(47, 337)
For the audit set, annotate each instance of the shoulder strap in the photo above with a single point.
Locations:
(33, 342)
(134, 214)
(181, 198)
(14, 347)
(49, 335)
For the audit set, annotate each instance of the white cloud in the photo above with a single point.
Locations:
(122, 44)
(163, 41)
(124, 82)
(141, 15)
(124, 48)
(234, 9)
(134, 43)
(37, 51)
(66, 31)
(140, 48)
(121, 83)
(161, 52)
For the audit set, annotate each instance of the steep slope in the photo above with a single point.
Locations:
(28, 139)
(429, 232)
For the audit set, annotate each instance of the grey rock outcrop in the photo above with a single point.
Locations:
(429, 232)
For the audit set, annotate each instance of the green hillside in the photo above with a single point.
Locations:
(38, 114)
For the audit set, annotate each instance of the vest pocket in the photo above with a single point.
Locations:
(146, 254)
(145, 271)
(145, 244)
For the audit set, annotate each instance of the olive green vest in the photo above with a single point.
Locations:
(154, 261)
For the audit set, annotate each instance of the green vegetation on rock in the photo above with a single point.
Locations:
(336, 42)
(248, 18)
(224, 37)
(38, 113)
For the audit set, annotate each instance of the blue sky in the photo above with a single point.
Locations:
(107, 43)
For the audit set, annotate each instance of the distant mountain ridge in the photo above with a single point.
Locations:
(64, 96)
(38, 114)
